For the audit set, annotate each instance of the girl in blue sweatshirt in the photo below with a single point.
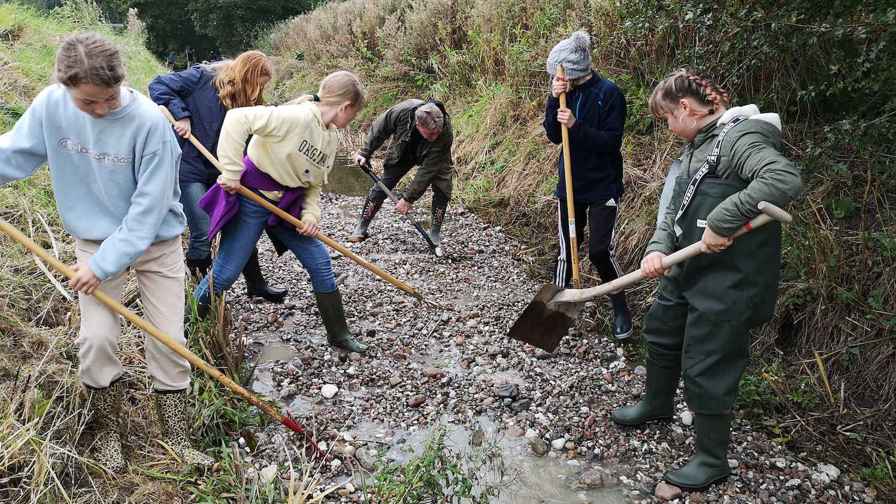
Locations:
(113, 162)
(199, 98)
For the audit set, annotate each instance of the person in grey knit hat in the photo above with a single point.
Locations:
(574, 54)
(595, 118)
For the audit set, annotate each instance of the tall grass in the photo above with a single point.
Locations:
(485, 59)
(45, 434)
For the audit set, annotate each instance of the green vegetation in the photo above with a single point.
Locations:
(43, 438)
(441, 474)
(823, 66)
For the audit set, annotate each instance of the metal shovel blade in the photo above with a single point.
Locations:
(544, 323)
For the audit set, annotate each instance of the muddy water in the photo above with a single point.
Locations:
(527, 479)
(348, 179)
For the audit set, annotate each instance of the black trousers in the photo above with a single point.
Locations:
(601, 221)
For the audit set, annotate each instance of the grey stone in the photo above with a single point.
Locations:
(667, 492)
(538, 446)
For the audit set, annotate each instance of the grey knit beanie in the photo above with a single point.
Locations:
(574, 54)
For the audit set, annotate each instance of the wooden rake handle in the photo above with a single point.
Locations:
(333, 244)
(570, 202)
(769, 213)
(155, 332)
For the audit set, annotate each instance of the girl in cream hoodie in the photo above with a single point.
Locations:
(291, 153)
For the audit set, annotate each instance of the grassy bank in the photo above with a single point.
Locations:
(44, 433)
(824, 373)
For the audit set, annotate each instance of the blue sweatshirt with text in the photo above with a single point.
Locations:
(114, 178)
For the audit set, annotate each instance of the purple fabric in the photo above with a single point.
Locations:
(221, 206)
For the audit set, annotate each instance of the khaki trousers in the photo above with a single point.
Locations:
(160, 278)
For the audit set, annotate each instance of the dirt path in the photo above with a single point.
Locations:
(458, 367)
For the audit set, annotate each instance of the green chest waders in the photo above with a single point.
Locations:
(724, 295)
(727, 293)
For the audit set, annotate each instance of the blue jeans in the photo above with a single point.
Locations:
(197, 220)
(238, 240)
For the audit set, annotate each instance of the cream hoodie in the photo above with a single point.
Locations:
(289, 143)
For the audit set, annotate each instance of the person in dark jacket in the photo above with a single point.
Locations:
(595, 117)
(698, 328)
(422, 136)
(199, 98)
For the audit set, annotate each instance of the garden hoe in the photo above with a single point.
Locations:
(296, 223)
(548, 317)
(435, 249)
(164, 339)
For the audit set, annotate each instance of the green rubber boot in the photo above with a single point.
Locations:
(710, 462)
(659, 398)
(333, 315)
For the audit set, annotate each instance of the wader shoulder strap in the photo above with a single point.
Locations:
(708, 166)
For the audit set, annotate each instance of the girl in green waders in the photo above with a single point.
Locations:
(699, 324)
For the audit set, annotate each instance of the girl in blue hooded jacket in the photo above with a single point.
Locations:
(199, 98)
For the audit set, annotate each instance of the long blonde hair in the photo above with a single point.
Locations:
(240, 83)
(88, 58)
(684, 83)
(337, 88)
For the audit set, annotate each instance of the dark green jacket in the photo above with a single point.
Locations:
(751, 152)
(433, 158)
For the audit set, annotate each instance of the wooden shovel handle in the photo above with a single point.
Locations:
(333, 244)
(769, 213)
(570, 202)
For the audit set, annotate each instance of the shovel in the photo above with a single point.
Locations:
(435, 249)
(165, 339)
(548, 317)
(296, 223)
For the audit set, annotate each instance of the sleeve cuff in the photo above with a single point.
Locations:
(97, 270)
(310, 219)
(180, 113)
(656, 248)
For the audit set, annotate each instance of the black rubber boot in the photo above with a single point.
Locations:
(658, 402)
(203, 309)
(710, 461)
(333, 315)
(622, 318)
(199, 267)
(369, 211)
(438, 217)
(256, 286)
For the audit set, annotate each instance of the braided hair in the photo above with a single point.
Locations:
(684, 83)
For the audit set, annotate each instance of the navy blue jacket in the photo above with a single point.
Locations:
(192, 94)
(595, 140)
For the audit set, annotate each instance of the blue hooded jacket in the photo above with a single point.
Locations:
(191, 93)
(595, 140)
